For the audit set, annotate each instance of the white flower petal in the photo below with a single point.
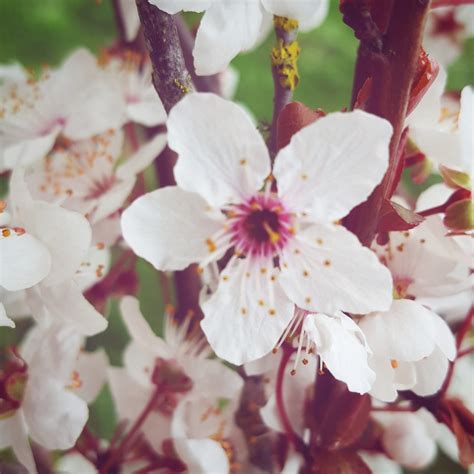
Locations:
(169, 228)
(4, 319)
(139, 329)
(130, 403)
(404, 333)
(466, 129)
(131, 20)
(93, 106)
(383, 388)
(333, 164)
(430, 373)
(66, 303)
(24, 260)
(221, 155)
(92, 370)
(295, 390)
(380, 464)
(441, 146)
(325, 268)
(316, 18)
(309, 13)
(148, 110)
(406, 440)
(205, 372)
(13, 432)
(142, 158)
(175, 6)
(202, 456)
(74, 463)
(112, 200)
(227, 28)
(444, 337)
(247, 314)
(28, 151)
(55, 416)
(341, 345)
(66, 234)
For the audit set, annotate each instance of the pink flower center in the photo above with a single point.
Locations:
(261, 226)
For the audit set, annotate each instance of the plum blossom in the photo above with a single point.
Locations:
(446, 30)
(425, 262)
(407, 439)
(131, 74)
(444, 129)
(131, 21)
(341, 346)
(287, 248)
(92, 176)
(411, 348)
(229, 27)
(24, 261)
(65, 237)
(182, 363)
(73, 101)
(39, 396)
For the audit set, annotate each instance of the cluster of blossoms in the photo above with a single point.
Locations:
(306, 347)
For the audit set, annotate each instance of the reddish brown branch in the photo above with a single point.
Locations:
(391, 66)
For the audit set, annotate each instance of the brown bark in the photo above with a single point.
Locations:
(172, 81)
(391, 65)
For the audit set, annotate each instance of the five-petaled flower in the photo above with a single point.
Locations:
(287, 247)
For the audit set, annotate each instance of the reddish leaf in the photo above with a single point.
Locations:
(460, 421)
(363, 94)
(393, 216)
(426, 72)
(293, 118)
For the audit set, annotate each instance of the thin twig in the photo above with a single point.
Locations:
(293, 437)
(284, 70)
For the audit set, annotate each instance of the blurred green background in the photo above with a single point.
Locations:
(38, 32)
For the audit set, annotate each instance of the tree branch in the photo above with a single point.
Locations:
(170, 76)
(172, 81)
(391, 66)
(284, 70)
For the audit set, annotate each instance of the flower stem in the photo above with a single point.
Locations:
(293, 437)
(121, 449)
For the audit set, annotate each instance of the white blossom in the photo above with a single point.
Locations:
(218, 205)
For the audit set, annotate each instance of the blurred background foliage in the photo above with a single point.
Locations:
(43, 32)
